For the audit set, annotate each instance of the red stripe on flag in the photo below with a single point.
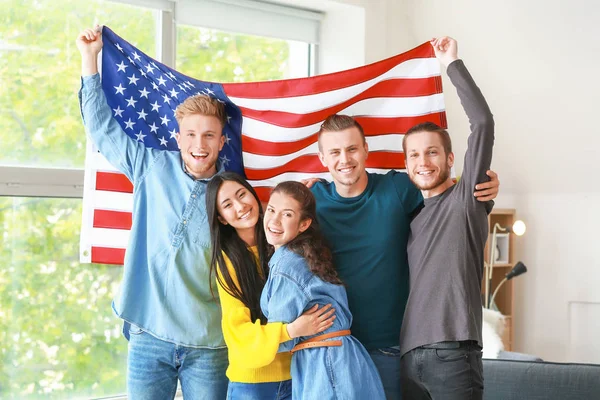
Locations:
(312, 164)
(377, 125)
(263, 192)
(113, 182)
(383, 90)
(322, 83)
(112, 219)
(107, 255)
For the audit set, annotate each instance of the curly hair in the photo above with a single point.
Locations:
(310, 244)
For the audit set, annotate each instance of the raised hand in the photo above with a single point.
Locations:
(89, 43)
(314, 320)
(446, 49)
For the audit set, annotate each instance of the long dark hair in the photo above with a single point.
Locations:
(224, 239)
(310, 244)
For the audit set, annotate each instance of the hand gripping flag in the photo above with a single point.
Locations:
(271, 134)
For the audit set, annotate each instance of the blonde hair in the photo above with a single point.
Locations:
(203, 105)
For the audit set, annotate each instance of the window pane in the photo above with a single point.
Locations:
(211, 55)
(58, 335)
(40, 123)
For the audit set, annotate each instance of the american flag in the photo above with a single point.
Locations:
(271, 134)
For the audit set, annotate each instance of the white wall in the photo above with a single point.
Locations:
(537, 63)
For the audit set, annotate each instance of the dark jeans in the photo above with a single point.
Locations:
(445, 370)
(387, 362)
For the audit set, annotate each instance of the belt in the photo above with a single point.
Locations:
(449, 345)
(319, 341)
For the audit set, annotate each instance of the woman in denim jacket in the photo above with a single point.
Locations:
(332, 365)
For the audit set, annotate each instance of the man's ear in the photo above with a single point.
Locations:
(177, 138)
(305, 224)
(322, 158)
(221, 220)
(451, 159)
(222, 142)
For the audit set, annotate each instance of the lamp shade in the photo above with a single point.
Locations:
(517, 270)
(519, 228)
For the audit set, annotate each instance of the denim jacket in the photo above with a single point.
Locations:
(166, 289)
(344, 372)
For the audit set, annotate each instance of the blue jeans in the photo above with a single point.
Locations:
(259, 391)
(154, 366)
(387, 361)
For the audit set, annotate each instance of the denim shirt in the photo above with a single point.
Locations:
(166, 289)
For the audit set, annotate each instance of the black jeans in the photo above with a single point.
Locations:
(445, 370)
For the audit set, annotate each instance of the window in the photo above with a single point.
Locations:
(40, 123)
(217, 56)
(58, 335)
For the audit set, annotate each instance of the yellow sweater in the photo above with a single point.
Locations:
(250, 344)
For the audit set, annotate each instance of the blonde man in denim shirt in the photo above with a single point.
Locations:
(170, 318)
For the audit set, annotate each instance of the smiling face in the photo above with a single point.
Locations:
(239, 208)
(427, 164)
(345, 153)
(283, 220)
(200, 139)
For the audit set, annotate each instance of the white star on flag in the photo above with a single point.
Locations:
(225, 160)
(163, 141)
(120, 89)
(173, 134)
(133, 79)
(118, 111)
(142, 114)
(140, 136)
(162, 81)
(131, 102)
(144, 93)
(121, 66)
(153, 128)
(155, 106)
(165, 120)
(129, 124)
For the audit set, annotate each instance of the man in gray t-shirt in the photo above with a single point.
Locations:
(441, 332)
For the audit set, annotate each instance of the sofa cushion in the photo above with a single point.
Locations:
(509, 379)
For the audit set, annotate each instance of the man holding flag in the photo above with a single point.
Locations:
(172, 322)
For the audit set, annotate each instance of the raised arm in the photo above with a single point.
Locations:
(124, 153)
(478, 156)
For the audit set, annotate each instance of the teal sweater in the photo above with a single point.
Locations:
(368, 235)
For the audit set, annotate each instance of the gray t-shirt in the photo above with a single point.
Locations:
(445, 246)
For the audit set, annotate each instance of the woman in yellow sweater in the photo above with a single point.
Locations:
(240, 260)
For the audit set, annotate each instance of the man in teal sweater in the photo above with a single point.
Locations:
(366, 219)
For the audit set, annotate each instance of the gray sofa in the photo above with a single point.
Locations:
(535, 380)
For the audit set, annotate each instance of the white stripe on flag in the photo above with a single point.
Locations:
(413, 69)
(113, 201)
(378, 107)
(102, 237)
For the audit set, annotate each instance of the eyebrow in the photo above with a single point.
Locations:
(236, 192)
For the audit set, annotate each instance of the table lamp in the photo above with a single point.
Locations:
(518, 228)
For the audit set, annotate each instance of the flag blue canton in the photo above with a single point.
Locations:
(144, 93)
